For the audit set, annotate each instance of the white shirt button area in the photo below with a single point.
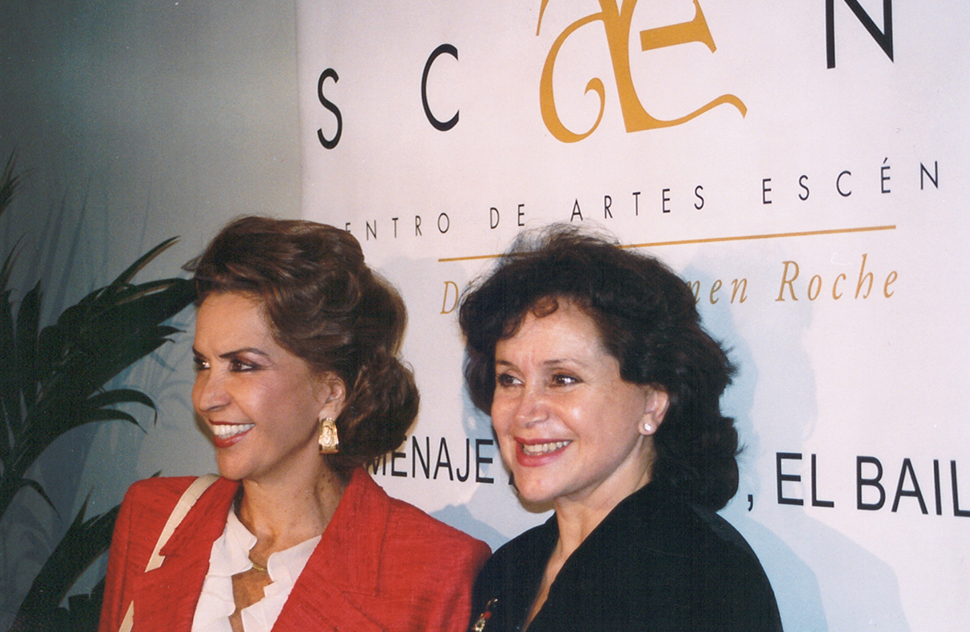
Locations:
(230, 555)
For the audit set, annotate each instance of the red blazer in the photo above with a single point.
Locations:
(381, 564)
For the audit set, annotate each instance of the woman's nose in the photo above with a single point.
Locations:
(531, 407)
(209, 391)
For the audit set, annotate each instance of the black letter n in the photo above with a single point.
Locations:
(884, 38)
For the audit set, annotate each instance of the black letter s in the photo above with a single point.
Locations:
(329, 73)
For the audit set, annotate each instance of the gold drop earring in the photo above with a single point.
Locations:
(329, 442)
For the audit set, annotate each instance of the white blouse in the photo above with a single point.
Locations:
(230, 555)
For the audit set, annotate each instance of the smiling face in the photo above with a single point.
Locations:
(261, 402)
(569, 427)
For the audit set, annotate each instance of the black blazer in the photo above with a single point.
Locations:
(654, 563)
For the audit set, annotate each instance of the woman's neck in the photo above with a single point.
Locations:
(577, 517)
(283, 513)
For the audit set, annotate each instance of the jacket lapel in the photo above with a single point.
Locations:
(344, 568)
(342, 572)
(165, 598)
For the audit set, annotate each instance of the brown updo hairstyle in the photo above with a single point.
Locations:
(647, 319)
(328, 308)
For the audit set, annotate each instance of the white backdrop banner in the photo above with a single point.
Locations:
(805, 165)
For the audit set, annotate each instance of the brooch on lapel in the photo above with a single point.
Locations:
(485, 616)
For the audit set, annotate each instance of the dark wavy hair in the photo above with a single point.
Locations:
(647, 319)
(327, 307)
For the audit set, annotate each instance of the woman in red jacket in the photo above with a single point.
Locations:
(299, 386)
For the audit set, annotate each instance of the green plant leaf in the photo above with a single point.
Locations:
(34, 485)
(28, 323)
(7, 268)
(113, 415)
(11, 414)
(84, 542)
(9, 182)
(119, 396)
(53, 380)
(9, 371)
(141, 262)
(92, 342)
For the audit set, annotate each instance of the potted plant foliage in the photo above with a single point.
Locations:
(52, 381)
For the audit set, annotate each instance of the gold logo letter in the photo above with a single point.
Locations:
(617, 25)
(445, 308)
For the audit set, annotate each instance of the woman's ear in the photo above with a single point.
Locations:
(331, 395)
(654, 410)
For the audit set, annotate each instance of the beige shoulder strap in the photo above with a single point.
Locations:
(185, 503)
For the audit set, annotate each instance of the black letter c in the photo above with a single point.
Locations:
(438, 125)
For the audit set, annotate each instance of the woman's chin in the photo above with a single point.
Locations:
(230, 468)
(534, 495)
(230, 474)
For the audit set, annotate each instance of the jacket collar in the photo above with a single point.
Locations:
(349, 554)
(165, 598)
(347, 561)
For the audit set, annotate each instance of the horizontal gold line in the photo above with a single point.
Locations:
(714, 240)
(473, 258)
(810, 233)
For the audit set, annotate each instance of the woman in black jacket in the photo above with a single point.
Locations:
(604, 393)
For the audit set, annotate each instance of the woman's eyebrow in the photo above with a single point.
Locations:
(553, 363)
(230, 354)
